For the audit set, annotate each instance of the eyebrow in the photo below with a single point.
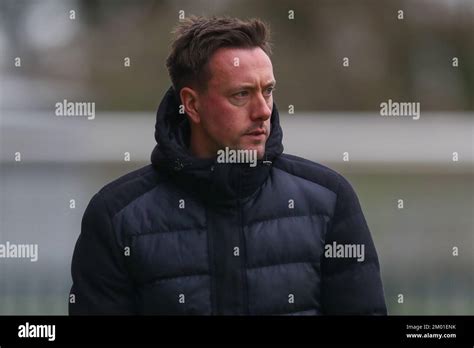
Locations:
(252, 86)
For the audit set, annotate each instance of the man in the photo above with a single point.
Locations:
(210, 229)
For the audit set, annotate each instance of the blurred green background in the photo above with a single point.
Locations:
(409, 59)
(336, 111)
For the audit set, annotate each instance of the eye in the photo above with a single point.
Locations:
(241, 94)
(269, 91)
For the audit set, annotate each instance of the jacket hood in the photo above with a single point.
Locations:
(219, 180)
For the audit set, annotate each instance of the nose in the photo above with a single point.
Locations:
(262, 108)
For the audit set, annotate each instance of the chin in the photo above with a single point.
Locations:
(260, 151)
(259, 148)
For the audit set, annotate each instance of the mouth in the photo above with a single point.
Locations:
(258, 132)
(257, 135)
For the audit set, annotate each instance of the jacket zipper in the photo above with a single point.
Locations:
(243, 250)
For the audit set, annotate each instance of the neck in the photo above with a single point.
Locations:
(200, 145)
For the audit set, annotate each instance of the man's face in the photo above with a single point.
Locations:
(235, 109)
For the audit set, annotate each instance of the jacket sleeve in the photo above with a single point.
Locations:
(350, 285)
(101, 285)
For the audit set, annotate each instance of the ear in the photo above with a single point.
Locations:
(190, 100)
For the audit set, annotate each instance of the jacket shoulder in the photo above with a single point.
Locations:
(347, 202)
(125, 189)
(312, 171)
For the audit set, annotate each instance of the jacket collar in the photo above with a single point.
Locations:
(206, 177)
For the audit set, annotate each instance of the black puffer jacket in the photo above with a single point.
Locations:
(192, 236)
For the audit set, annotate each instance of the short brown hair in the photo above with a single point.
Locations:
(197, 38)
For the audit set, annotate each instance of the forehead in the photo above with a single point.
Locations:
(230, 65)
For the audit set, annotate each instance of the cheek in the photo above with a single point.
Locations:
(224, 120)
